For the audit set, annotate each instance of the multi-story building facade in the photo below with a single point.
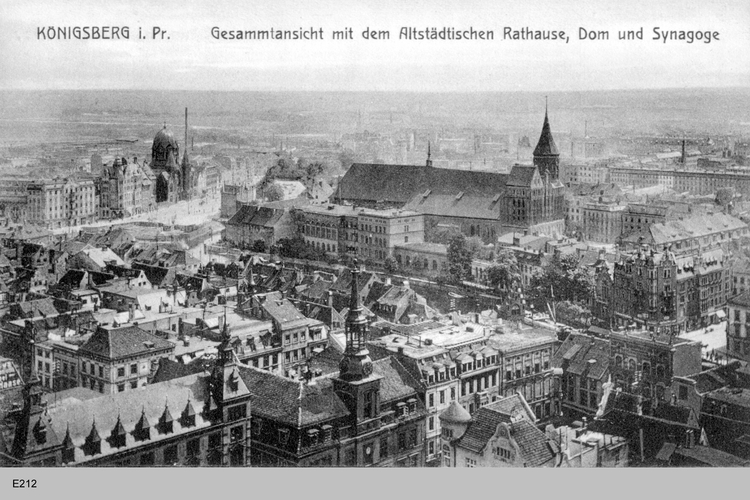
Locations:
(581, 367)
(381, 230)
(525, 360)
(125, 189)
(298, 337)
(664, 292)
(62, 202)
(645, 363)
(602, 221)
(330, 228)
(638, 217)
(120, 359)
(738, 328)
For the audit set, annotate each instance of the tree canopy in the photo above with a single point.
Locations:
(504, 273)
(561, 279)
(459, 259)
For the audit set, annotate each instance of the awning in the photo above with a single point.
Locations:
(318, 350)
(721, 314)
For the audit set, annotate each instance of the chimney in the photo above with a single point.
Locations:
(330, 299)
(684, 156)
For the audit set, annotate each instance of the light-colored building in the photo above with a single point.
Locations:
(120, 359)
(59, 203)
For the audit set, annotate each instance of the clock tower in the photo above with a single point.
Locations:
(356, 383)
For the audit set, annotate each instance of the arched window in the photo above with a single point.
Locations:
(618, 361)
(434, 265)
(631, 365)
(646, 368)
(660, 371)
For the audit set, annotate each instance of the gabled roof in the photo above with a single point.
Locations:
(117, 343)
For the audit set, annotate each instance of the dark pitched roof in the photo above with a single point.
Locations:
(169, 370)
(546, 145)
(483, 425)
(400, 183)
(583, 354)
(253, 215)
(397, 383)
(532, 443)
(123, 342)
(521, 175)
(291, 402)
(157, 275)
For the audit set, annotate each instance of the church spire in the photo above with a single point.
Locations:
(429, 159)
(356, 363)
(546, 154)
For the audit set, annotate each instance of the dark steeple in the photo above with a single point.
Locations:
(429, 160)
(546, 154)
(356, 363)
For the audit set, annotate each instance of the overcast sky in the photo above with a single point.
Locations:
(192, 59)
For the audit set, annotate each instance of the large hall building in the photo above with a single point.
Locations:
(479, 203)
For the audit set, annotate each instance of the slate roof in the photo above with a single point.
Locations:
(694, 227)
(532, 443)
(399, 184)
(576, 351)
(483, 425)
(521, 175)
(38, 307)
(117, 343)
(169, 370)
(253, 215)
(711, 456)
(546, 145)
(480, 206)
(396, 383)
(127, 406)
(291, 402)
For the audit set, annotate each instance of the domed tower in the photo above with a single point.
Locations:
(357, 385)
(164, 147)
(546, 155)
(453, 424)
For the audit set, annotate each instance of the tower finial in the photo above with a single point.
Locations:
(429, 154)
(545, 105)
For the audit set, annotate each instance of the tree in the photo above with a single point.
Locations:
(444, 235)
(476, 246)
(561, 279)
(259, 246)
(459, 259)
(274, 193)
(504, 274)
(390, 265)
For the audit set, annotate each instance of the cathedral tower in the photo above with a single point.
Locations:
(546, 155)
